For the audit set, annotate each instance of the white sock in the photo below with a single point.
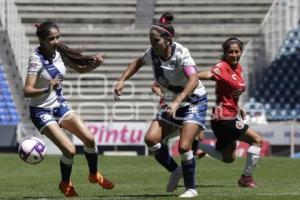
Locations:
(187, 156)
(211, 150)
(90, 150)
(252, 159)
(66, 161)
(155, 147)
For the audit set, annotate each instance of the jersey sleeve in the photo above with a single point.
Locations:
(221, 74)
(146, 57)
(34, 65)
(188, 63)
(217, 72)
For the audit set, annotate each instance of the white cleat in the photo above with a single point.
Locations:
(174, 179)
(189, 193)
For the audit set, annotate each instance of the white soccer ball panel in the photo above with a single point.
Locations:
(32, 150)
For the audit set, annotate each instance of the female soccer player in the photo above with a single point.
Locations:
(197, 152)
(226, 123)
(50, 112)
(186, 102)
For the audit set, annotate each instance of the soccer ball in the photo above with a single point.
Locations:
(32, 150)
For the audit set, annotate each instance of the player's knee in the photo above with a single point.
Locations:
(150, 141)
(183, 148)
(70, 152)
(258, 141)
(90, 142)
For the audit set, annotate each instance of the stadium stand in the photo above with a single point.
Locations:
(108, 26)
(8, 112)
(278, 87)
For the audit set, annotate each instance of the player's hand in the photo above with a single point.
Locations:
(97, 60)
(243, 113)
(118, 88)
(54, 84)
(171, 109)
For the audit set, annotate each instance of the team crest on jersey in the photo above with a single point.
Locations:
(234, 77)
(33, 65)
(217, 71)
(239, 124)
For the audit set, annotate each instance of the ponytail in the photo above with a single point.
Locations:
(164, 25)
(72, 58)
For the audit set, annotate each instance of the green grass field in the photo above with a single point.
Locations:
(142, 178)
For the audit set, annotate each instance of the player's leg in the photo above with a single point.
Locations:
(44, 121)
(74, 124)
(210, 149)
(255, 142)
(157, 131)
(188, 134)
(198, 153)
(59, 138)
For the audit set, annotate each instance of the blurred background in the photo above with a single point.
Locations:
(119, 29)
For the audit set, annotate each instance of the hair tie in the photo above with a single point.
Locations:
(162, 20)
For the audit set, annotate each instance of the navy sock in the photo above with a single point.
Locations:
(163, 156)
(65, 171)
(188, 170)
(92, 159)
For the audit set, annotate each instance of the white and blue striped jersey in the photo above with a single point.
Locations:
(170, 74)
(46, 70)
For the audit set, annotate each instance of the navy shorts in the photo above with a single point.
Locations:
(41, 117)
(227, 132)
(193, 113)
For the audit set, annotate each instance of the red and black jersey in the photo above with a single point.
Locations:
(229, 86)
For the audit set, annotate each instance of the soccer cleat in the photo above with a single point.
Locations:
(189, 193)
(246, 181)
(67, 189)
(174, 179)
(101, 180)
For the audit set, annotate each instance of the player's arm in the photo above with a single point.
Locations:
(30, 91)
(157, 90)
(191, 85)
(131, 69)
(242, 112)
(205, 75)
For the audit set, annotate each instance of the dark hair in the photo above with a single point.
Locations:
(232, 40)
(164, 25)
(43, 29)
(71, 57)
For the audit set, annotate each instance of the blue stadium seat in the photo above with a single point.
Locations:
(8, 112)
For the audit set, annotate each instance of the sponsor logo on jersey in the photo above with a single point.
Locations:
(45, 117)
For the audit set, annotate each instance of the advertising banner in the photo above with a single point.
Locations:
(117, 133)
(279, 133)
